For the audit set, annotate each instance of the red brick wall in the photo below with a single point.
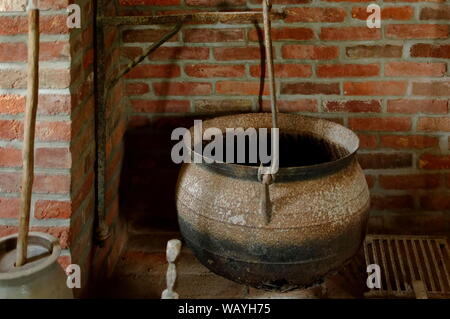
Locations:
(391, 85)
(52, 206)
(64, 189)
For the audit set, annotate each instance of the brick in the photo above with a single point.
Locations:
(11, 104)
(13, 5)
(385, 160)
(9, 182)
(213, 35)
(241, 88)
(56, 50)
(437, 13)
(281, 1)
(414, 0)
(12, 79)
(48, 78)
(285, 70)
(416, 181)
(54, 104)
(83, 191)
(347, 70)
(367, 141)
(391, 202)
(430, 50)
(83, 93)
(380, 124)
(434, 124)
(131, 53)
(432, 88)
(213, 106)
(53, 4)
(310, 88)
(10, 157)
(10, 130)
(53, 157)
(352, 106)
(54, 78)
(137, 88)
(417, 31)
(285, 33)
(375, 88)
(182, 88)
(349, 33)
(154, 71)
(51, 184)
(53, 24)
(48, 209)
(53, 131)
(146, 35)
(410, 106)
(180, 53)
(215, 3)
(374, 51)
(389, 13)
(305, 14)
(88, 59)
(111, 36)
(432, 161)
(160, 106)
(214, 70)
(414, 69)
(370, 180)
(310, 52)
(13, 52)
(11, 25)
(408, 141)
(9, 207)
(149, 2)
(298, 105)
(436, 201)
(237, 53)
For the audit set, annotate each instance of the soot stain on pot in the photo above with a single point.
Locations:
(309, 250)
(280, 268)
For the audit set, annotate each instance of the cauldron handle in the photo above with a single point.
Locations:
(266, 175)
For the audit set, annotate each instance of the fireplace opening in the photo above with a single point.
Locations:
(149, 176)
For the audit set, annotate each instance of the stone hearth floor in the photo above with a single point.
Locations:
(140, 273)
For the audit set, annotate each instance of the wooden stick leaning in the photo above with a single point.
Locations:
(29, 130)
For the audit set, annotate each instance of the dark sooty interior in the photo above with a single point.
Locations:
(295, 150)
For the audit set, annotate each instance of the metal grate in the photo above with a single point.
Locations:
(404, 259)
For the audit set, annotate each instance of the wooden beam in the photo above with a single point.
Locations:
(200, 17)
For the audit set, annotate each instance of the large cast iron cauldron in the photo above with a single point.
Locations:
(319, 206)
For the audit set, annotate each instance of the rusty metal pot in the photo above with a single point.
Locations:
(318, 212)
(41, 277)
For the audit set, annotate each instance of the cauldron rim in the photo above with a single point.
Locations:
(284, 174)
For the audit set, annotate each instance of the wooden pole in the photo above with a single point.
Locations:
(28, 141)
